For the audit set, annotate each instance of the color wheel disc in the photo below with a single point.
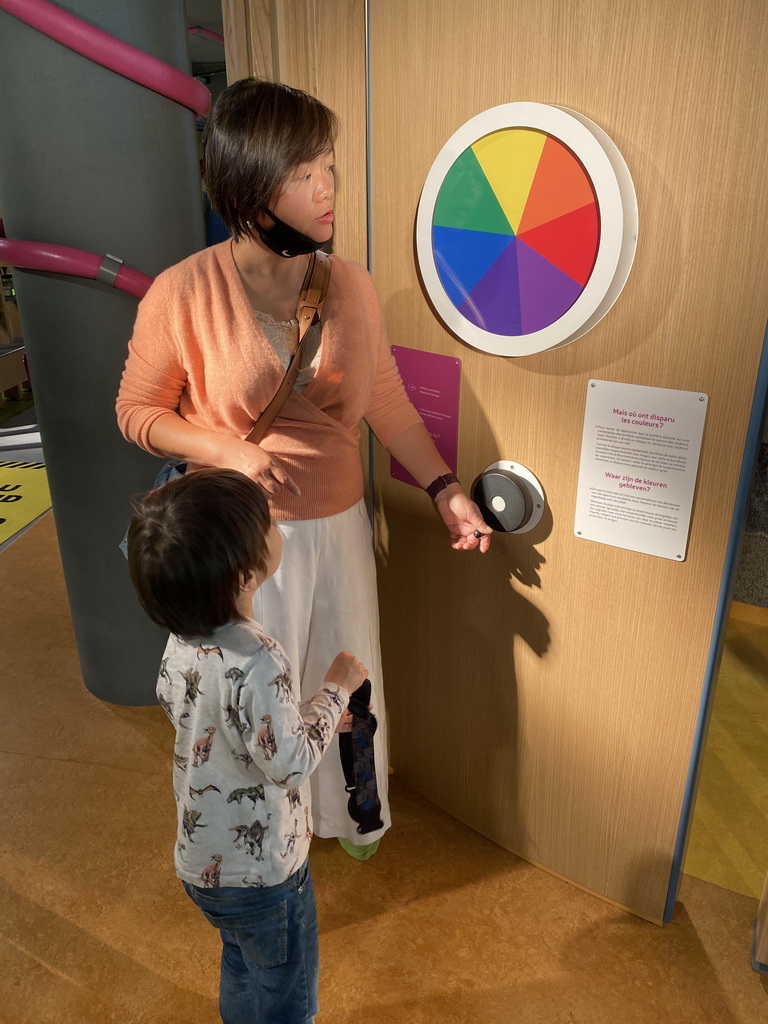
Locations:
(515, 231)
(526, 228)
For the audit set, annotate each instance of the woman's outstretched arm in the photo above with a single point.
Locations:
(414, 449)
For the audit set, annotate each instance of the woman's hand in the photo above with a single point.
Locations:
(415, 449)
(260, 466)
(462, 517)
(178, 439)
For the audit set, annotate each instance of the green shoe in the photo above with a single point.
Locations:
(359, 852)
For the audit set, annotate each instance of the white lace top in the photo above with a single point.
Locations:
(282, 335)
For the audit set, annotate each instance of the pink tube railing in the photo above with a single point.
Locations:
(61, 259)
(111, 53)
(125, 60)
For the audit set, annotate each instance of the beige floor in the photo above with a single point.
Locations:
(441, 926)
(728, 842)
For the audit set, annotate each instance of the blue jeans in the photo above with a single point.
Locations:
(269, 960)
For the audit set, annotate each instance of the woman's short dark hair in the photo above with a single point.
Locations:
(191, 542)
(257, 134)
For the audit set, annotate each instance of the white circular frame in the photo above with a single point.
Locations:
(617, 206)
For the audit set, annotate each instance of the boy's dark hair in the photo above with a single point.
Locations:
(191, 542)
(257, 134)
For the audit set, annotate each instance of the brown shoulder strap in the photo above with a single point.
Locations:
(308, 312)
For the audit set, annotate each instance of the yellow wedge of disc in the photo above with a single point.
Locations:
(509, 159)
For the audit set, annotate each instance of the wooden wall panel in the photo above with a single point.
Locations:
(318, 47)
(547, 693)
(244, 50)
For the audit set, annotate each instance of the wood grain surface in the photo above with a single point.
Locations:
(547, 693)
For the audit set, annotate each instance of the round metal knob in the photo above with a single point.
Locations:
(509, 497)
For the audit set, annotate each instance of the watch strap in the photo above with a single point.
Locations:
(440, 483)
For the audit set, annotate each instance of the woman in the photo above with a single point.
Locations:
(212, 339)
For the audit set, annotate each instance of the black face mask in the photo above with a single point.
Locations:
(284, 240)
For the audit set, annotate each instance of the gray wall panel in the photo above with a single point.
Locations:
(94, 161)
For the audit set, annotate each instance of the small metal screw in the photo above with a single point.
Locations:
(701, 398)
(679, 556)
(578, 533)
(592, 384)
(538, 505)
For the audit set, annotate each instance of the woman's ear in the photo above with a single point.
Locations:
(249, 584)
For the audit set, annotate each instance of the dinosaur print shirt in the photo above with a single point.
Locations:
(245, 748)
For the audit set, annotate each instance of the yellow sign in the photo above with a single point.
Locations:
(24, 496)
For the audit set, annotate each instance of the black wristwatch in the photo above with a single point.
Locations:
(440, 483)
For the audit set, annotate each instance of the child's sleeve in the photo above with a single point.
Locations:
(286, 739)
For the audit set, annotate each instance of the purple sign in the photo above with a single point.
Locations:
(432, 384)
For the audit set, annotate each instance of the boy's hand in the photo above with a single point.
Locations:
(345, 722)
(347, 672)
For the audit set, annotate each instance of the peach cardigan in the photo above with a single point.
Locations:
(198, 349)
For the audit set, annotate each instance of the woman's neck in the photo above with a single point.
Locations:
(272, 283)
(255, 260)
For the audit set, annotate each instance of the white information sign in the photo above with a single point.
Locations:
(639, 462)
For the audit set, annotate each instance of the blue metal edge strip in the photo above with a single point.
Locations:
(369, 240)
(756, 965)
(754, 437)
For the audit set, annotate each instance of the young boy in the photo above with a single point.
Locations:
(198, 548)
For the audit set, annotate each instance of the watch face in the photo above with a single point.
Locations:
(521, 233)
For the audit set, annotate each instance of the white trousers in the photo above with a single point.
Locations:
(323, 600)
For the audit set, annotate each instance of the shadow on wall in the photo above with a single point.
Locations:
(437, 631)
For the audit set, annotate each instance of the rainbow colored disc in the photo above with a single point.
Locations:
(515, 231)
(526, 228)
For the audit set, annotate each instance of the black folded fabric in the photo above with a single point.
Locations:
(358, 764)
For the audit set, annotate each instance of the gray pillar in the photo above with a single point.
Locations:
(91, 160)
